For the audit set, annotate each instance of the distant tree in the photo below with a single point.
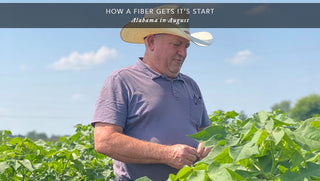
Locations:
(306, 107)
(242, 116)
(35, 136)
(31, 135)
(42, 136)
(54, 138)
(283, 106)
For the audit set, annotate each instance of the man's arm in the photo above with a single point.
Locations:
(110, 141)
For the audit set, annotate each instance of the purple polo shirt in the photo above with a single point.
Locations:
(151, 107)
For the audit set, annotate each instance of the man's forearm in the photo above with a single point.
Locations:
(110, 141)
(131, 150)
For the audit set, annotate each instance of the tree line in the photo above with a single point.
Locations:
(304, 108)
(33, 135)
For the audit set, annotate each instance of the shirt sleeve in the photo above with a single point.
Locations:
(111, 106)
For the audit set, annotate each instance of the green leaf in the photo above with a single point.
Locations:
(11, 154)
(263, 116)
(289, 138)
(316, 124)
(5, 133)
(223, 157)
(172, 177)
(78, 165)
(282, 168)
(212, 133)
(269, 125)
(27, 164)
(16, 165)
(312, 157)
(218, 171)
(76, 136)
(212, 154)
(296, 158)
(3, 148)
(3, 167)
(248, 130)
(51, 153)
(282, 120)
(311, 169)
(183, 173)
(62, 139)
(246, 163)
(263, 121)
(40, 142)
(243, 151)
(37, 166)
(15, 141)
(201, 166)
(277, 135)
(231, 140)
(260, 137)
(246, 174)
(307, 135)
(265, 163)
(290, 176)
(198, 175)
(231, 114)
(143, 179)
(234, 175)
(285, 154)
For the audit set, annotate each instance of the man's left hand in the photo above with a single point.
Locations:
(203, 151)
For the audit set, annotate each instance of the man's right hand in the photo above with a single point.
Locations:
(180, 155)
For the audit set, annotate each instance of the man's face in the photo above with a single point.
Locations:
(171, 51)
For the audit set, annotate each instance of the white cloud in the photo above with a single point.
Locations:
(230, 81)
(76, 61)
(77, 97)
(242, 57)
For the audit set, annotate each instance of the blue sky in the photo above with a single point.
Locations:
(244, 69)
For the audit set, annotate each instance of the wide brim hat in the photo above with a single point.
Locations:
(136, 30)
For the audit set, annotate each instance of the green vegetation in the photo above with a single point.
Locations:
(266, 146)
(70, 158)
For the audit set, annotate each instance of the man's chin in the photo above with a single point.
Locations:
(176, 73)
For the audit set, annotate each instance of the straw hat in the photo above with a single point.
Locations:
(135, 32)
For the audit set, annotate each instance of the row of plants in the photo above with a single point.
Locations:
(266, 146)
(70, 158)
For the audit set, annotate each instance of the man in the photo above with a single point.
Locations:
(145, 112)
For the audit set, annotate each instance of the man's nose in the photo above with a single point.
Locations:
(182, 51)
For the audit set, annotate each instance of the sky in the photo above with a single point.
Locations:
(50, 78)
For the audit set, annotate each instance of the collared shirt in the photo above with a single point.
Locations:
(151, 107)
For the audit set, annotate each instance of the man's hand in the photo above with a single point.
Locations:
(203, 151)
(180, 155)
